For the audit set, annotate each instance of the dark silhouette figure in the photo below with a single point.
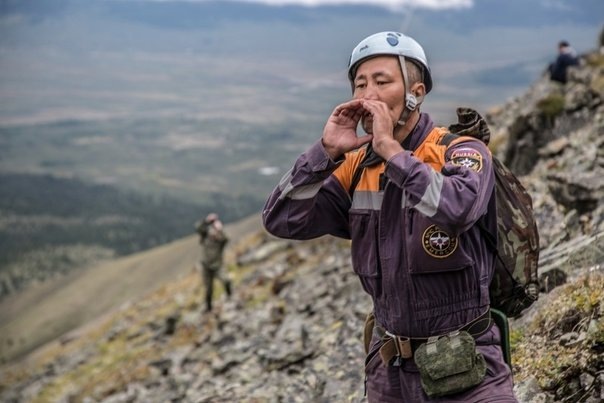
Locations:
(566, 57)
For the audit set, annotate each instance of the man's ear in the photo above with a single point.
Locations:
(419, 90)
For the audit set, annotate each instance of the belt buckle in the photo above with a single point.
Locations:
(402, 345)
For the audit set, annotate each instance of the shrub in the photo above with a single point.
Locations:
(551, 106)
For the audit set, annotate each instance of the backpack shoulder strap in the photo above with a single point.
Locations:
(448, 139)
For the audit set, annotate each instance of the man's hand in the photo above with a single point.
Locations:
(381, 125)
(217, 224)
(340, 132)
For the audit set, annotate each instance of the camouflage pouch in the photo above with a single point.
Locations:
(449, 364)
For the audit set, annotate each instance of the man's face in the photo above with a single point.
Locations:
(380, 78)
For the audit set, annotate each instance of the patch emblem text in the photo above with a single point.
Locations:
(467, 157)
(437, 243)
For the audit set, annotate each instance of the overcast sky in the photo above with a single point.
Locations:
(390, 4)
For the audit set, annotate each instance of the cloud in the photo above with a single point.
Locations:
(390, 4)
(395, 5)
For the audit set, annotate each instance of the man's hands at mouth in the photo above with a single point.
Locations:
(340, 132)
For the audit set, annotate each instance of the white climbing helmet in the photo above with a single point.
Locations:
(391, 43)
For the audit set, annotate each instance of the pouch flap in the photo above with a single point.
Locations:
(449, 355)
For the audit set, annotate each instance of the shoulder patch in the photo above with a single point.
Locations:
(467, 157)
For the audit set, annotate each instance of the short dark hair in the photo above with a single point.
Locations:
(563, 44)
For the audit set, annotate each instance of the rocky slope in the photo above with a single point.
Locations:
(292, 331)
(46, 311)
(555, 135)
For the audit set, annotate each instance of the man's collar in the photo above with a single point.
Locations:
(418, 134)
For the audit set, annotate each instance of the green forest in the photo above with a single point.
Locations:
(51, 225)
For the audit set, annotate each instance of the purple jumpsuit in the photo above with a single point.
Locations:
(415, 246)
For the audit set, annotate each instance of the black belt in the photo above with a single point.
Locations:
(404, 347)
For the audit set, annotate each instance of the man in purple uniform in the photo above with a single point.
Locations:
(413, 204)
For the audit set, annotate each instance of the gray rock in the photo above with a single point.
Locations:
(530, 392)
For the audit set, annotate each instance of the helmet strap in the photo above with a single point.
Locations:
(410, 100)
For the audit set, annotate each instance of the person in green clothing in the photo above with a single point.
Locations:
(213, 241)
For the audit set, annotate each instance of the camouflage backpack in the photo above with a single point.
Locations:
(515, 282)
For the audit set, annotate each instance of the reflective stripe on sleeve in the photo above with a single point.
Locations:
(302, 192)
(297, 193)
(285, 180)
(366, 200)
(428, 204)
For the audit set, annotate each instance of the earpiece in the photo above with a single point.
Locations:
(410, 101)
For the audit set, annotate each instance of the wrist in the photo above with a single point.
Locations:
(388, 149)
(331, 151)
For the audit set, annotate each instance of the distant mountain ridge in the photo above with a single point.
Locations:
(71, 59)
(178, 14)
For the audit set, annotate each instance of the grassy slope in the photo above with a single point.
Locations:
(44, 313)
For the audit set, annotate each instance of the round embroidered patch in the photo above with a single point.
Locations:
(467, 157)
(437, 243)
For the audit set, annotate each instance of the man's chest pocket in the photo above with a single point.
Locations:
(441, 272)
(431, 249)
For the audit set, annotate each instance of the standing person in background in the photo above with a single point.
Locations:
(213, 240)
(416, 207)
(566, 57)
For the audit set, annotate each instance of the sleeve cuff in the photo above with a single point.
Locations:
(319, 159)
(395, 167)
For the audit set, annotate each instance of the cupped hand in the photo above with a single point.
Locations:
(340, 132)
(382, 127)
